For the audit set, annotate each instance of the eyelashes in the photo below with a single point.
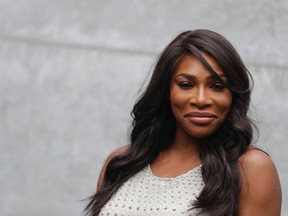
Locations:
(218, 87)
(215, 86)
(185, 85)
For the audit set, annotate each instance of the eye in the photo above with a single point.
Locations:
(185, 85)
(218, 86)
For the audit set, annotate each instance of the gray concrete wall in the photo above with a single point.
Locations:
(70, 71)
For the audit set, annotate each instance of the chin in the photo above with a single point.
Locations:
(201, 134)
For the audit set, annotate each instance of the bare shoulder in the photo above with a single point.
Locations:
(255, 158)
(112, 155)
(260, 187)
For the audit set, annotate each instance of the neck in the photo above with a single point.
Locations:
(185, 146)
(181, 156)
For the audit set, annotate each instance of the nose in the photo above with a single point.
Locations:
(200, 97)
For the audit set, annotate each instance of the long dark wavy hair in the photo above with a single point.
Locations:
(153, 127)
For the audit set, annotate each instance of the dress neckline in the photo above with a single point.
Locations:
(176, 177)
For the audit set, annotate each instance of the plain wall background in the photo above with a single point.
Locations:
(70, 71)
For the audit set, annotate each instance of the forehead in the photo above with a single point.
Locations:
(191, 63)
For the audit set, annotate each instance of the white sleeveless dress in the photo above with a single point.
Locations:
(147, 194)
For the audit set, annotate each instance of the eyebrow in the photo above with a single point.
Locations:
(192, 77)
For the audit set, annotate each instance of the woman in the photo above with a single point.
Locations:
(190, 151)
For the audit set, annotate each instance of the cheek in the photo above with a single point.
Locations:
(178, 101)
(225, 105)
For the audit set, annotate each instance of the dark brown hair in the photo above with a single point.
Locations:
(153, 127)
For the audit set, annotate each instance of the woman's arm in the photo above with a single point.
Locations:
(110, 157)
(260, 186)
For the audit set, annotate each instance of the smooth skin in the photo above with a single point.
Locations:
(192, 91)
(260, 189)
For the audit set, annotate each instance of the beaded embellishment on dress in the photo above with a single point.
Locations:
(147, 194)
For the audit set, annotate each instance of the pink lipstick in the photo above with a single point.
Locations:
(201, 118)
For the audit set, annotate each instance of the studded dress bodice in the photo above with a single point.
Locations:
(147, 194)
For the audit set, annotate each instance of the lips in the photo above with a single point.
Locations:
(200, 118)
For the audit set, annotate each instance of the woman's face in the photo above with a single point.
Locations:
(200, 103)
